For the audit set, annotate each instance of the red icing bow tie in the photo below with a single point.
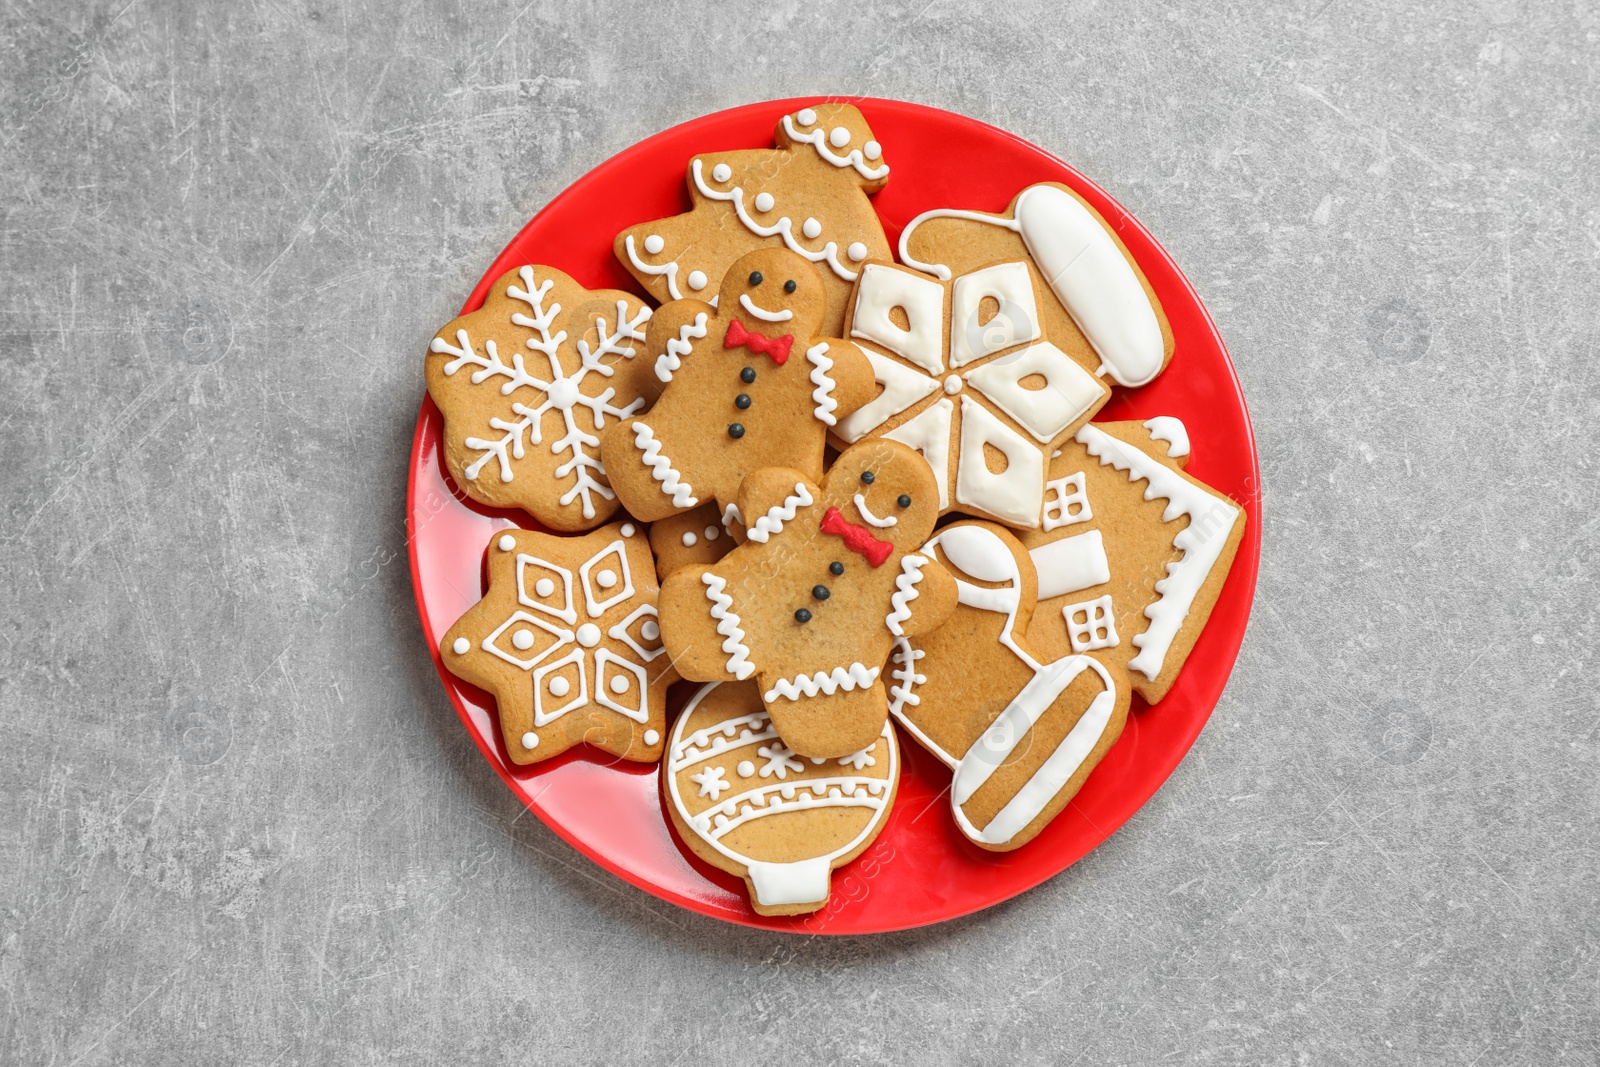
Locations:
(775, 347)
(857, 539)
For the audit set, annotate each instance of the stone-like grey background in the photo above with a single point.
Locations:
(239, 822)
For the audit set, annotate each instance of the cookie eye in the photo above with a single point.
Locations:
(904, 501)
(789, 286)
(755, 277)
(867, 477)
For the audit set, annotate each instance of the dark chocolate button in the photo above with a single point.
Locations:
(736, 430)
(820, 592)
(742, 401)
(802, 615)
(747, 375)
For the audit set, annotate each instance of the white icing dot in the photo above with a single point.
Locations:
(818, 760)
(627, 529)
(839, 137)
(722, 172)
(712, 533)
(654, 244)
(544, 587)
(952, 384)
(619, 683)
(857, 251)
(606, 579)
(651, 737)
(764, 201)
(872, 150)
(745, 768)
(559, 687)
(507, 542)
(689, 539)
(523, 639)
(530, 740)
(1056, 454)
(697, 280)
(806, 116)
(461, 646)
(650, 630)
(811, 228)
(588, 635)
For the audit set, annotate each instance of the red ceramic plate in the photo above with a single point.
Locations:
(920, 870)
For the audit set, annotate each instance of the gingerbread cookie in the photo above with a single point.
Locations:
(971, 380)
(691, 537)
(1132, 553)
(809, 195)
(810, 605)
(748, 386)
(527, 382)
(1099, 307)
(567, 641)
(745, 802)
(1021, 729)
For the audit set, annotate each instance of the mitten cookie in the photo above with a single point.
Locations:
(1132, 553)
(745, 802)
(567, 640)
(1099, 308)
(749, 384)
(1021, 729)
(971, 380)
(808, 195)
(527, 382)
(810, 605)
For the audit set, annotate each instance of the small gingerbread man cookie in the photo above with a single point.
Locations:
(811, 604)
(748, 386)
(568, 642)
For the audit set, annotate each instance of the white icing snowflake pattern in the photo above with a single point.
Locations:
(711, 782)
(780, 760)
(858, 760)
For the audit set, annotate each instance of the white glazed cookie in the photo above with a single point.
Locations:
(808, 195)
(745, 802)
(568, 642)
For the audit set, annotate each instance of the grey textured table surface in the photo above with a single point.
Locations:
(239, 822)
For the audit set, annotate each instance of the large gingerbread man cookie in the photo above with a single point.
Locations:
(566, 638)
(809, 195)
(748, 384)
(811, 604)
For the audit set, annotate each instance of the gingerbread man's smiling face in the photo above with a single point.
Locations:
(887, 490)
(773, 292)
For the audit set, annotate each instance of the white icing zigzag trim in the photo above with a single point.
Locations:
(829, 253)
(738, 664)
(856, 676)
(1211, 522)
(772, 522)
(822, 395)
(905, 585)
(678, 347)
(818, 139)
(845, 790)
(669, 269)
(724, 736)
(672, 483)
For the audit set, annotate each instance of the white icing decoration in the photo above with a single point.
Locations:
(522, 639)
(902, 387)
(1170, 429)
(857, 251)
(649, 630)
(1070, 391)
(849, 679)
(1071, 564)
(1063, 508)
(762, 313)
(764, 202)
(652, 737)
(871, 519)
(605, 579)
(811, 228)
(905, 591)
(711, 782)
(598, 605)
(507, 542)
(654, 244)
(806, 116)
(828, 253)
(619, 684)
(929, 433)
(562, 392)
(772, 522)
(669, 270)
(1097, 628)
(544, 587)
(1016, 323)
(730, 515)
(461, 646)
(822, 395)
(746, 768)
(939, 270)
(559, 687)
(697, 280)
(672, 483)
(542, 717)
(1211, 522)
(852, 159)
(872, 149)
(711, 533)
(1016, 495)
(780, 760)
(903, 694)
(627, 529)
(738, 664)
(839, 137)
(721, 172)
(952, 384)
(588, 635)
(635, 680)
(883, 288)
(689, 539)
(680, 346)
(530, 740)
(859, 761)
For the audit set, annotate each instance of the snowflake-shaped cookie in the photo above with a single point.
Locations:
(970, 380)
(526, 384)
(566, 639)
